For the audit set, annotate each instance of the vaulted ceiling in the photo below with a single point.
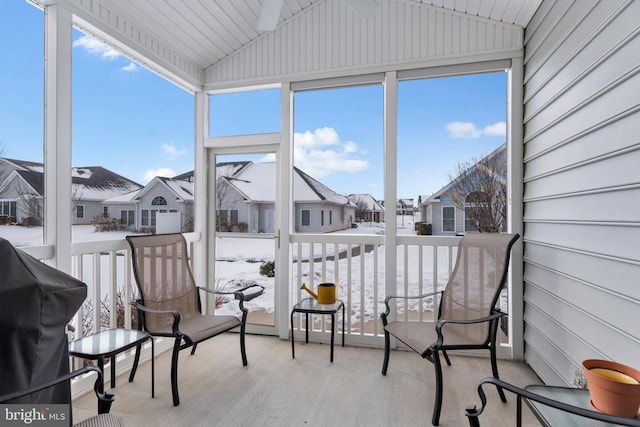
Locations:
(198, 34)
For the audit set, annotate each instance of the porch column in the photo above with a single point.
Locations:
(515, 135)
(57, 135)
(200, 168)
(390, 181)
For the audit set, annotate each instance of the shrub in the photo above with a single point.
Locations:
(425, 229)
(268, 269)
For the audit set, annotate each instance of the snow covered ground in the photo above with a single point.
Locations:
(239, 260)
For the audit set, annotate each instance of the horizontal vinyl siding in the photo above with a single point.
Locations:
(581, 186)
(329, 37)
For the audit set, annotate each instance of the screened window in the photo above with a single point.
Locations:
(448, 218)
(144, 220)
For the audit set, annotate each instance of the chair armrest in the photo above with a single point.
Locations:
(472, 413)
(104, 399)
(238, 294)
(387, 310)
(440, 323)
(176, 316)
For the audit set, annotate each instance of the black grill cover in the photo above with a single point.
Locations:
(36, 303)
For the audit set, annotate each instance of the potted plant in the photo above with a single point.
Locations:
(614, 387)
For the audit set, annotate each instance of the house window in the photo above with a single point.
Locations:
(222, 216)
(144, 220)
(322, 218)
(469, 223)
(8, 208)
(159, 201)
(154, 213)
(305, 218)
(105, 211)
(448, 218)
(127, 217)
(80, 211)
(330, 217)
(234, 216)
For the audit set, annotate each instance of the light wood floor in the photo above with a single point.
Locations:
(276, 390)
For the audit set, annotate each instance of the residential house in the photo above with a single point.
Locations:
(21, 191)
(441, 209)
(368, 209)
(243, 201)
(404, 207)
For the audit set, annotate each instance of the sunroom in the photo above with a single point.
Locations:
(569, 73)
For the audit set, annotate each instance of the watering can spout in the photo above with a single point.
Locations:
(304, 286)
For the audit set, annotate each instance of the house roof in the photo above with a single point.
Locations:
(24, 165)
(256, 181)
(435, 197)
(371, 203)
(90, 183)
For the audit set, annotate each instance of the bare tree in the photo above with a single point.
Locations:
(362, 208)
(480, 190)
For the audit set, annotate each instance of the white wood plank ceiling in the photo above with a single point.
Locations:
(206, 31)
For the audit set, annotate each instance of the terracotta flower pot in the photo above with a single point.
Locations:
(614, 387)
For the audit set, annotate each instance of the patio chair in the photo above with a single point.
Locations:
(566, 414)
(169, 303)
(102, 419)
(467, 315)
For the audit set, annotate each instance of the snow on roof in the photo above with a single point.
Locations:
(183, 189)
(257, 182)
(90, 183)
(26, 165)
(366, 199)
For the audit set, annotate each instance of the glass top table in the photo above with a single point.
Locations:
(578, 397)
(311, 306)
(109, 343)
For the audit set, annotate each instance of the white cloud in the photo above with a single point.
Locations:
(152, 173)
(96, 47)
(496, 129)
(132, 66)
(172, 152)
(469, 130)
(321, 153)
(463, 130)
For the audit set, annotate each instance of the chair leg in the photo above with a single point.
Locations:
(435, 419)
(136, 359)
(174, 372)
(243, 350)
(387, 345)
(193, 349)
(494, 370)
(446, 357)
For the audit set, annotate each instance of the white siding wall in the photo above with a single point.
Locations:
(329, 37)
(582, 186)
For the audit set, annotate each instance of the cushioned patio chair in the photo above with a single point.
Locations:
(467, 315)
(103, 419)
(169, 303)
(582, 416)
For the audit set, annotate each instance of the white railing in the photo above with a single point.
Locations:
(356, 263)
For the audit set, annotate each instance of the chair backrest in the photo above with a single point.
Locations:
(474, 286)
(164, 278)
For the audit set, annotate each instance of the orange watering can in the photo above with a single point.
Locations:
(326, 293)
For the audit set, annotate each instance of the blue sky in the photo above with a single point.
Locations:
(137, 124)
